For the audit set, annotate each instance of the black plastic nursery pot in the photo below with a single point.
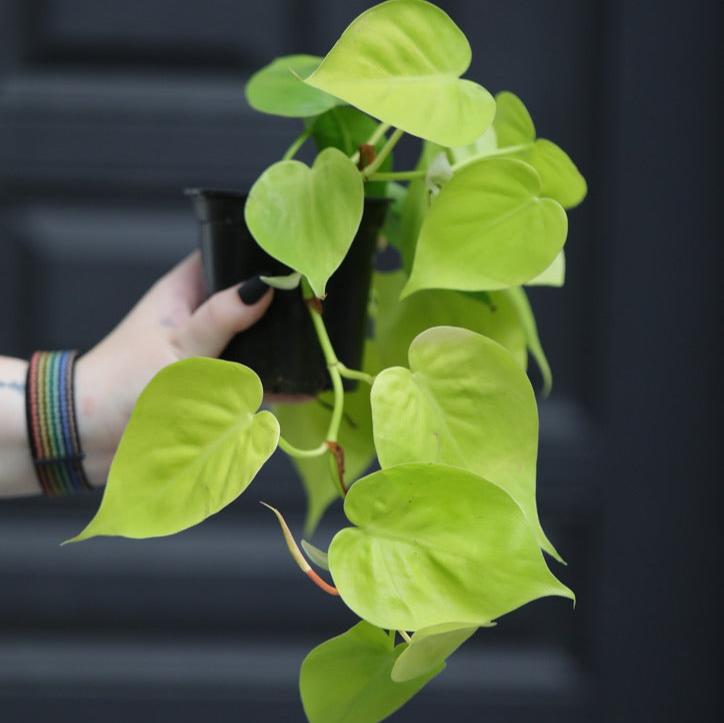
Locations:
(282, 348)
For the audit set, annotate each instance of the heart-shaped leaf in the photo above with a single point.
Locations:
(464, 402)
(192, 446)
(307, 217)
(278, 89)
(348, 679)
(306, 424)
(560, 178)
(401, 62)
(514, 128)
(397, 323)
(430, 648)
(488, 228)
(434, 542)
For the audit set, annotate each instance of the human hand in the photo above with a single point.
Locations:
(171, 322)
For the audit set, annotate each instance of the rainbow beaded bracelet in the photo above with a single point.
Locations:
(52, 428)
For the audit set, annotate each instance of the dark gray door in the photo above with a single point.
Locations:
(107, 111)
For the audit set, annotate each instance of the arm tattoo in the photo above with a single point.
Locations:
(12, 386)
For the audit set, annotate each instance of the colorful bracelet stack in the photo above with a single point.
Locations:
(52, 427)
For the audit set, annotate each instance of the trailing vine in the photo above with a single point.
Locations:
(444, 538)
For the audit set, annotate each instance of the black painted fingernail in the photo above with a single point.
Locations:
(252, 290)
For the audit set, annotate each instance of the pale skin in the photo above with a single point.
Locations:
(173, 321)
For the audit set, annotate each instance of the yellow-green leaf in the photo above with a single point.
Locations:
(433, 543)
(348, 679)
(307, 217)
(278, 89)
(398, 322)
(401, 62)
(464, 402)
(194, 443)
(430, 648)
(488, 228)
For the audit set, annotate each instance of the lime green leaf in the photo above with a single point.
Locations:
(414, 208)
(434, 543)
(513, 125)
(317, 556)
(347, 679)
(464, 402)
(192, 446)
(401, 62)
(391, 230)
(488, 228)
(560, 179)
(346, 129)
(397, 323)
(278, 89)
(519, 299)
(554, 275)
(430, 648)
(305, 425)
(307, 217)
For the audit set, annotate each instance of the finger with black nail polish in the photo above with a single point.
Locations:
(252, 290)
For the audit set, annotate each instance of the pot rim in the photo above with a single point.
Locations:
(229, 193)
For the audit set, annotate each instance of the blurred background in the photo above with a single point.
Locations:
(109, 109)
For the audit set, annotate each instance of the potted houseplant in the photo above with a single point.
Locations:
(444, 538)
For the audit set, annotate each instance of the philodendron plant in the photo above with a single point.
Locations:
(444, 538)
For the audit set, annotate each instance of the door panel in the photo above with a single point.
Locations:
(108, 111)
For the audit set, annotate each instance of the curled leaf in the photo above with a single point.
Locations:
(285, 283)
(317, 556)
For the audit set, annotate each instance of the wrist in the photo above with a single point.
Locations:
(97, 428)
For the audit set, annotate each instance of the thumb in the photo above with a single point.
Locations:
(210, 328)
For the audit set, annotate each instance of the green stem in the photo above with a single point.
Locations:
(506, 150)
(298, 143)
(332, 365)
(382, 155)
(381, 129)
(334, 375)
(354, 374)
(293, 451)
(397, 176)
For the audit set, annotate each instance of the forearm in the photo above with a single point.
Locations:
(17, 476)
(171, 322)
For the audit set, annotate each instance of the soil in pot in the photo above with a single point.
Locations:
(282, 347)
